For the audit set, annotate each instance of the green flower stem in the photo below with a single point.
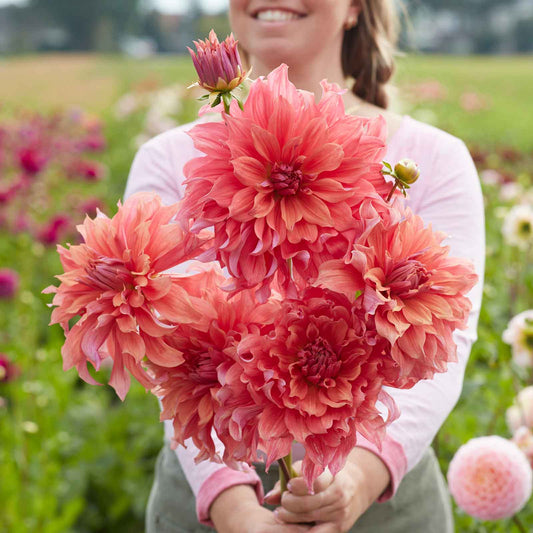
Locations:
(518, 524)
(286, 471)
(392, 190)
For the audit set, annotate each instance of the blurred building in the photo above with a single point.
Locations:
(436, 26)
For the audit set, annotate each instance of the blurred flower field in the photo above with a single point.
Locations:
(72, 456)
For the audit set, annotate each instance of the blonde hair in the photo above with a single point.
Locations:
(369, 48)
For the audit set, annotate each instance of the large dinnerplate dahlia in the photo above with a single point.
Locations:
(281, 177)
(114, 283)
(317, 381)
(402, 277)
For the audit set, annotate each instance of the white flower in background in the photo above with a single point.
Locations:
(140, 140)
(126, 105)
(511, 191)
(518, 226)
(489, 176)
(523, 438)
(166, 101)
(521, 413)
(519, 334)
(155, 123)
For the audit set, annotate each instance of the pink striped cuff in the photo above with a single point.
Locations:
(393, 456)
(219, 481)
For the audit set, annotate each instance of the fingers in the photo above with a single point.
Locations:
(326, 527)
(329, 513)
(298, 486)
(273, 497)
(308, 503)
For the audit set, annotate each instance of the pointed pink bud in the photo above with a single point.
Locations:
(218, 64)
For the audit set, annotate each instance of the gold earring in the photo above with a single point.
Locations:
(350, 23)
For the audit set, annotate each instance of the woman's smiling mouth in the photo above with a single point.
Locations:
(276, 15)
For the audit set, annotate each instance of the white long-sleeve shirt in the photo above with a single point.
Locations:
(448, 196)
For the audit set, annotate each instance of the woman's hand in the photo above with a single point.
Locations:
(236, 510)
(338, 501)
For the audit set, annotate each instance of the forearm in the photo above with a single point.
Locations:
(237, 501)
(373, 470)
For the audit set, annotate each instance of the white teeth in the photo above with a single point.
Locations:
(274, 15)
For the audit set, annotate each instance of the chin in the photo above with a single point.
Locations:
(273, 56)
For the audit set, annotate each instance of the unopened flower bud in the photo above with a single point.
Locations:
(407, 171)
(218, 64)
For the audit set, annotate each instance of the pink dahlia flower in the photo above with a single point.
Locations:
(218, 64)
(523, 438)
(280, 178)
(9, 282)
(490, 478)
(316, 380)
(521, 413)
(519, 334)
(114, 281)
(413, 291)
(8, 370)
(189, 389)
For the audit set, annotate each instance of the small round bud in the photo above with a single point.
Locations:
(406, 171)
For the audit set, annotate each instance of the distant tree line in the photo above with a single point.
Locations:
(102, 25)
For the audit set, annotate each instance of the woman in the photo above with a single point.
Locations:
(334, 39)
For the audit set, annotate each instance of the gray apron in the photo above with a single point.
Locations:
(421, 504)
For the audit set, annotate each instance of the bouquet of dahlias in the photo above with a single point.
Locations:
(314, 287)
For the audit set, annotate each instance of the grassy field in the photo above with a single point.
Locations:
(73, 458)
(503, 85)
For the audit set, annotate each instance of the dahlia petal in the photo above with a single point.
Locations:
(334, 275)
(160, 353)
(266, 143)
(120, 379)
(328, 157)
(290, 212)
(249, 171)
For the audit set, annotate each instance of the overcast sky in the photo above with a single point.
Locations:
(170, 6)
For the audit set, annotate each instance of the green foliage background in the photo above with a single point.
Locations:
(86, 464)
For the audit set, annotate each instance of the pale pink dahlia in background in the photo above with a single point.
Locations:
(490, 478)
(523, 438)
(280, 178)
(400, 275)
(519, 334)
(114, 283)
(521, 413)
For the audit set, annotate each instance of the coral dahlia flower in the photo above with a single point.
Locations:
(316, 382)
(189, 390)
(402, 277)
(114, 282)
(281, 177)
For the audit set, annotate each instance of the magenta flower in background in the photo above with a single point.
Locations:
(31, 160)
(218, 64)
(88, 170)
(8, 371)
(9, 282)
(54, 230)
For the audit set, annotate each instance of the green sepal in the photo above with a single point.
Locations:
(217, 100)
